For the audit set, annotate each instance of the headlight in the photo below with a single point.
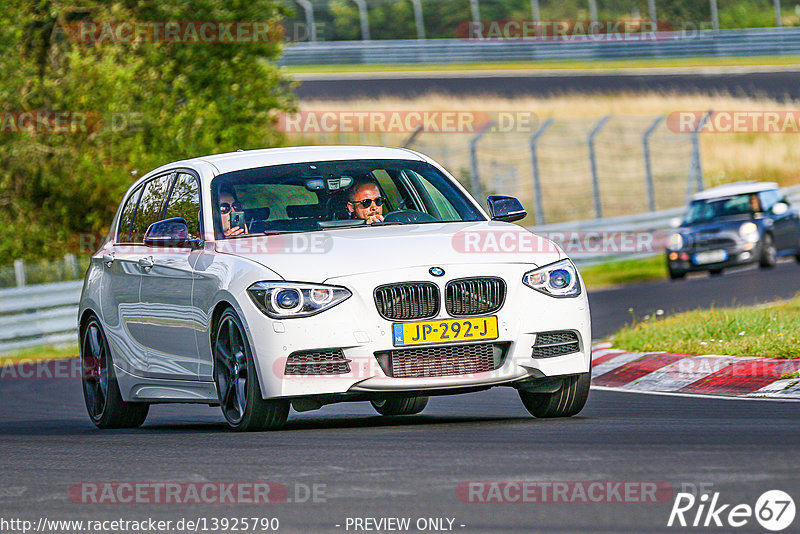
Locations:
(675, 242)
(284, 300)
(559, 279)
(749, 231)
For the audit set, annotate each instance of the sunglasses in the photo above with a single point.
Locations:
(367, 202)
(224, 207)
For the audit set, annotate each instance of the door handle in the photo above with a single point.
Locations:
(108, 259)
(146, 263)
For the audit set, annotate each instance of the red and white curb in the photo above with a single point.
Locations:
(683, 373)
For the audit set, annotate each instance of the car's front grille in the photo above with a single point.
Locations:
(549, 344)
(410, 300)
(317, 362)
(716, 242)
(449, 360)
(474, 296)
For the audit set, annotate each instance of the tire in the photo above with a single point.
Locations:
(100, 388)
(676, 275)
(566, 402)
(242, 405)
(769, 254)
(407, 406)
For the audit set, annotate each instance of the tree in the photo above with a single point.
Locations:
(83, 116)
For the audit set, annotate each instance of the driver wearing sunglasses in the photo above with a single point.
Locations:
(366, 202)
(228, 203)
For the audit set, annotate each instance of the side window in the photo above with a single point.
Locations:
(388, 187)
(444, 206)
(128, 213)
(151, 206)
(185, 202)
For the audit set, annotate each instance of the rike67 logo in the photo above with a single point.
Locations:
(774, 510)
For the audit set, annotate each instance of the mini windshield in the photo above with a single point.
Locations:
(714, 208)
(306, 197)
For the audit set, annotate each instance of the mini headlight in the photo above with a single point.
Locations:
(749, 231)
(284, 300)
(675, 242)
(559, 279)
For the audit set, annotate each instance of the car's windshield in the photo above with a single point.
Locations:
(706, 210)
(322, 195)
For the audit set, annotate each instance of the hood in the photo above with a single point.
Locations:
(719, 224)
(318, 256)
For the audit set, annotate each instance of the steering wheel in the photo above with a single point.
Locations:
(409, 217)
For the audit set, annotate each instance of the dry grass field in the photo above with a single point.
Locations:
(505, 162)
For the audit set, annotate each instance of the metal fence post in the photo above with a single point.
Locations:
(537, 185)
(362, 14)
(593, 9)
(651, 7)
(598, 206)
(714, 15)
(535, 10)
(413, 136)
(476, 14)
(475, 180)
(419, 21)
(696, 163)
(778, 21)
(308, 7)
(19, 272)
(72, 265)
(651, 190)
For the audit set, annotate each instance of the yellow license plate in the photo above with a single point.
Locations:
(445, 330)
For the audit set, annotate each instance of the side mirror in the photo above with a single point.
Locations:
(780, 208)
(507, 209)
(170, 233)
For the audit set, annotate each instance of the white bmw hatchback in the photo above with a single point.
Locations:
(299, 277)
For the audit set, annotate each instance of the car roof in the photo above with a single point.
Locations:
(736, 188)
(249, 159)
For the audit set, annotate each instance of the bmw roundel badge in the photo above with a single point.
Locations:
(436, 271)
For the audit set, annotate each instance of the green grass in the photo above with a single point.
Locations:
(624, 272)
(48, 352)
(739, 331)
(744, 61)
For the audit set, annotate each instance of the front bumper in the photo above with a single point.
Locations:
(356, 328)
(740, 254)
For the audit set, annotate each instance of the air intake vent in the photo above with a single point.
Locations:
(317, 362)
(474, 296)
(412, 300)
(450, 360)
(549, 344)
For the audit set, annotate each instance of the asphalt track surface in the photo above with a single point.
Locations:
(369, 466)
(781, 84)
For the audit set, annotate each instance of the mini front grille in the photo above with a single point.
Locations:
(450, 360)
(411, 300)
(549, 344)
(716, 242)
(474, 296)
(317, 362)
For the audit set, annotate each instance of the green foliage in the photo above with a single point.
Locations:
(134, 107)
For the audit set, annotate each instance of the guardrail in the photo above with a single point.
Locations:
(39, 315)
(750, 42)
(47, 314)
